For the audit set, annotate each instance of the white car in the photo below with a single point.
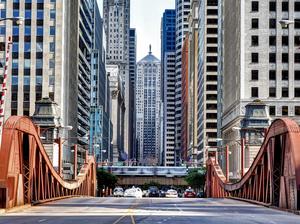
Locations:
(135, 192)
(118, 192)
(171, 194)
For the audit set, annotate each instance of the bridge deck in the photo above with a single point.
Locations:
(148, 211)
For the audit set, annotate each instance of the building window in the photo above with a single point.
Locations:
(272, 92)
(272, 57)
(297, 58)
(285, 6)
(39, 31)
(272, 6)
(285, 75)
(52, 13)
(297, 40)
(254, 40)
(272, 40)
(254, 6)
(272, 110)
(52, 30)
(254, 57)
(297, 92)
(255, 24)
(297, 110)
(285, 40)
(52, 47)
(272, 23)
(40, 14)
(272, 75)
(14, 96)
(285, 110)
(297, 23)
(297, 6)
(254, 75)
(297, 74)
(285, 58)
(254, 92)
(285, 92)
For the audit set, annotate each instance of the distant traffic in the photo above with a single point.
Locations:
(154, 191)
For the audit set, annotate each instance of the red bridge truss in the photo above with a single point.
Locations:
(26, 173)
(274, 177)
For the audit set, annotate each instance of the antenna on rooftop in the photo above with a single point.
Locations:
(150, 52)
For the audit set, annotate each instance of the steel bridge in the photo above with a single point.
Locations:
(26, 173)
(274, 176)
(28, 177)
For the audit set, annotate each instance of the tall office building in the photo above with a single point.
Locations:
(51, 57)
(148, 110)
(117, 112)
(168, 37)
(132, 74)
(261, 61)
(182, 8)
(185, 97)
(100, 124)
(132, 55)
(207, 78)
(190, 97)
(117, 27)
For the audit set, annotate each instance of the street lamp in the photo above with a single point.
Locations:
(285, 23)
(18, 20)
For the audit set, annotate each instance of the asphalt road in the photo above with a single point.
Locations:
(148, 211)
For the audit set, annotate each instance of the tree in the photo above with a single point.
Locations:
(196, 178)
(150, 184)
(105, 179)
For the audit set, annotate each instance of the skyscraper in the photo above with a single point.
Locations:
(182, 11)
(263, 63)
(51, 57)
(148, 110)
(207, 78)
(132, 55)
(132, 74)
(168, 37)
(100, 137)
(117, 27)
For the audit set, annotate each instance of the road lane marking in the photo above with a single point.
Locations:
(132, 219)
(178, 208)
(119, 219)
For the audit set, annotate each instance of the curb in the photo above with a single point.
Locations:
(296, 212)
(15, 209)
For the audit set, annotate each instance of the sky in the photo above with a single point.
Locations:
(146, 18)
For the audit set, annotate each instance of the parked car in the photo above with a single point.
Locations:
(189, 193)
(162, 193)
(200, 195)
(145, 193)
(135, 192)
(118, 192)
(153, 191)
(171, 193)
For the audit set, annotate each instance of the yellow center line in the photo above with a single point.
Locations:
(132, 219)
(128, 213)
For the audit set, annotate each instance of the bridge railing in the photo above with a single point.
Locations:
(26, 172)
(274, 176)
